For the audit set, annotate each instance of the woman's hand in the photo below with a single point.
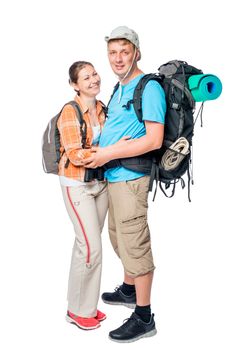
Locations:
(94, 148)
(101, 156)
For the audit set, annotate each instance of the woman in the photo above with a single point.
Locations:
(86, 202)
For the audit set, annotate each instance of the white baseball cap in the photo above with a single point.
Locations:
(123, 32)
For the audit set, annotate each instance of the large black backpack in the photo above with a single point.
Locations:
(168, 164)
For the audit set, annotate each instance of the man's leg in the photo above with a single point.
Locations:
(128, 280)
(140, 285)
(130, 206)
(143, 286)
(124, 294)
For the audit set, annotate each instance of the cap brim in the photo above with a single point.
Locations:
(108, 38)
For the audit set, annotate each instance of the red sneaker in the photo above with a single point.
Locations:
(82, 322)
(100, 316)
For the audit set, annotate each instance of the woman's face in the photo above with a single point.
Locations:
(88, 82)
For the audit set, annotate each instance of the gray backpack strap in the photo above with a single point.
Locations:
(82, 122)
(83, 125)
(75, 105)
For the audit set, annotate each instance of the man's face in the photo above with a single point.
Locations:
(121, 55)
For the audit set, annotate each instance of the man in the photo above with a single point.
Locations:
(124, 136)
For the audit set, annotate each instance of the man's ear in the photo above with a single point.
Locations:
(138, 55)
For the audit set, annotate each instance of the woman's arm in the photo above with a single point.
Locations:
(69, 129)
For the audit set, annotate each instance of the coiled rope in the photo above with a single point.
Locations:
(175, 154)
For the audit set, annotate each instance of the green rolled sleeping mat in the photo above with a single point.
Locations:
(205, 87)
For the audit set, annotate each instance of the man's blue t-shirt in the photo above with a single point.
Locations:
(124, 122)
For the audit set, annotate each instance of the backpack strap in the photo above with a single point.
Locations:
(82, 122)
(114, 91)
(104, 108)
(138, 92)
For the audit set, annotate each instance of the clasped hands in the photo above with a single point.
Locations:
(102, 155)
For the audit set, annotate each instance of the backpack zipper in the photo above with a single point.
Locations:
(43, 160)
(49, 132)
(43, 163)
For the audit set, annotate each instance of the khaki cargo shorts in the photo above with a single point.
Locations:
(128, 226)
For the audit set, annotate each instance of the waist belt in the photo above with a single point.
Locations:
(139, 164)
(143, 164)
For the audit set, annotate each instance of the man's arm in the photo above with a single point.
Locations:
(128, 148)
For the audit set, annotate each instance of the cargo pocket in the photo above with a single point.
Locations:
(136, 238)
(139, 188)
(134, 224)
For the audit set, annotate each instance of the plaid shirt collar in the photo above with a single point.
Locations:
(84, 108)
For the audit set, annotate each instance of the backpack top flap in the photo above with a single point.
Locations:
(178, 67)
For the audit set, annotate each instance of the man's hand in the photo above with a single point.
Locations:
(101, 156)
(97, 158)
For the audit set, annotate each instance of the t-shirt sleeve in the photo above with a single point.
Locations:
(154, 102)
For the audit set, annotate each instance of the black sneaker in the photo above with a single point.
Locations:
(119, 298)
(133, 329)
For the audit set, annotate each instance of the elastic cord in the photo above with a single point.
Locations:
(121, 80)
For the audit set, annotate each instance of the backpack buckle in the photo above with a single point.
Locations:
(175, 106)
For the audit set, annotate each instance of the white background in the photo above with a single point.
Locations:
(192, 295)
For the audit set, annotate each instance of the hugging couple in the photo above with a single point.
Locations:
(120, 191)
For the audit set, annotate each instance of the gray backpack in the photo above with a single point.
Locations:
(51, 140)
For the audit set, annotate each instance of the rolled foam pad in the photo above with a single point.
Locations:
(205, 87)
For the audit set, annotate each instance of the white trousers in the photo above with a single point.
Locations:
(87, 207)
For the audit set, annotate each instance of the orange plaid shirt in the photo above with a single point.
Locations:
(70, 139)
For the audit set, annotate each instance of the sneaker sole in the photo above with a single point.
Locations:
(70, 320)
(130, 306)
(145, 335)
(101, 319)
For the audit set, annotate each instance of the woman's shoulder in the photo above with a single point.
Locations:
(68, 113)
(68, 108)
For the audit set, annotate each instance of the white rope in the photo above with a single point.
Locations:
(170, 159)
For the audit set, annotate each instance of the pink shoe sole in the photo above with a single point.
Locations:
(100, 316)
(86, 328)
(100, 319)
